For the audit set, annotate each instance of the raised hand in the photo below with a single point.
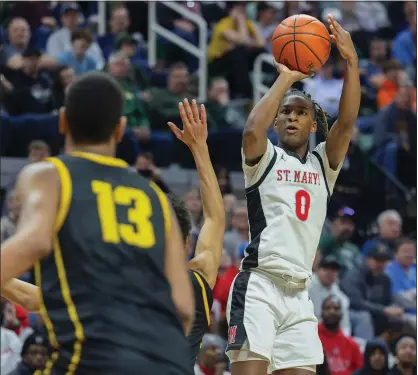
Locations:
(195, 128)
(342, 39)
(293, 74)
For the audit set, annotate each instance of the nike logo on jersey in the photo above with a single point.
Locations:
(302, 177)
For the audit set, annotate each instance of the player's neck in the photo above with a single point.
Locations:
(100, 149)
(300, 151)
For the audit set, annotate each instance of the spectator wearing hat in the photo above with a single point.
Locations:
(406, 355)
(60, 41)
(338, 243)
(342, 352)
(35, 353)
(211, 358)
(370, 292)
(31, 86)
(323, 284)
(402, 272)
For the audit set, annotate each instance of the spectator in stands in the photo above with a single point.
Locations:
(372, 16)
(403, 275)
(145, 166)
(376, 359)
(9, 222)
(36, 13)
(266, 21)
(370, 293)
(325, 88)
(406, 354)
(163, 102)
(211, 359)
(11, 346)
(60, 41)
(338, 243)
(323, 284)
(194, 206)
(18, 34)
(137, 118)
(62, 79)
(389, 225)
(343, 353)
(234, 44)
(405, 43)
(35, 353)
(16, 319)
(390, 336)
(224, 180)
(31, 87)
(238, 233)
(119, 23)
(38, 150)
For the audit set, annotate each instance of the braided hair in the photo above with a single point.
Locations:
(321, 117)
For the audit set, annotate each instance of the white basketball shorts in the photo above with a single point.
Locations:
(272, 321)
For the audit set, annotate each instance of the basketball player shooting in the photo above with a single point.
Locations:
(272, 326)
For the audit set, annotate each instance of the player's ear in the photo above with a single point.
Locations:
(63, 123)
(314, 127)
(275, 123)
(120, 129)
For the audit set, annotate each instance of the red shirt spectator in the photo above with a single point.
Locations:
(223, 284)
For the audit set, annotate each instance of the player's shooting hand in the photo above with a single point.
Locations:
(195, 128)
(342, 39)
(294, 75)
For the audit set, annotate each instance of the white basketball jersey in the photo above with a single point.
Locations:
(287, 201)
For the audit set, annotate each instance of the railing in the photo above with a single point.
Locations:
(101, 10)
(155, 29)
(259, 88)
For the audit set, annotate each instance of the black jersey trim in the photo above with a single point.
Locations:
(263, 177)
(321, 163)
(236, 330)
(201, 281)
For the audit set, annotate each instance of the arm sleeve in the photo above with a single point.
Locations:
(330, 174)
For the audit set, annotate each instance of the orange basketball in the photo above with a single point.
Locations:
(301, 43)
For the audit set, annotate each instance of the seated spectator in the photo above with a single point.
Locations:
(31, 87)
(35, 353)
(234, 44)
(62, 79)
(402, 272)
(16, 318)
(119, 68)
(145, 166)
(119, 23)
(36, 13)
(338, 243)
(325, 88)
(194, 206)
(370, 294)
(376, 359)
(11, 347)
(239, 229)
(9, 222)
(60, 41)
(266, 21)
(163, 102)
(224, 181)
(323, 284)
(211, 359)
(389, 226)
(343, 353)
(390, 336)
(406, 355)
(18, 34)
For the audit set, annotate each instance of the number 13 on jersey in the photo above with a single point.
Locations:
(140, 231)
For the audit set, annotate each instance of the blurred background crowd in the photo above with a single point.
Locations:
(364, 282)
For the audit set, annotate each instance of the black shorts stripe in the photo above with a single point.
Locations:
(236, 332)
(263, 177)
(321, 163)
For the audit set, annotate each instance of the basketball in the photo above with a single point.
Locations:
(302, 43)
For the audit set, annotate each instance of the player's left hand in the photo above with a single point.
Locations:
(342, 39)
(195, 128)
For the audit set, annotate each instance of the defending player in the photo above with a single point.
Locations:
(116, 264)
(203, 268)
(271, 318)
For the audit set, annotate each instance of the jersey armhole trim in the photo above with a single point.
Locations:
(66, 191)
(263, 177)
(321, 163)
(165, 208)
(204, 296)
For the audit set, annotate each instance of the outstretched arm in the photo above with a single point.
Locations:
(209, 245)
(254, 138)
(22, 293)
(341, 131)
(38, 187)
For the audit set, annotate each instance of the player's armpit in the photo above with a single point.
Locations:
(22, 293)
(38, 189)
(177, 275)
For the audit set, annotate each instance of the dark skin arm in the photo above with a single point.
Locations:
(38, 187)
(341, 131)
(210, 242)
